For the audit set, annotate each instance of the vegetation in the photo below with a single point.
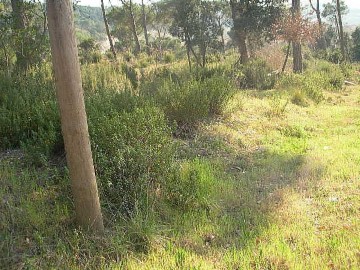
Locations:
(207, 154)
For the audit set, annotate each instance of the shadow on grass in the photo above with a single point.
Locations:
(253, 189)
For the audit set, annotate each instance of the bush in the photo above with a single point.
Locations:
(191, 101)
(29, 115)
(133, 152)
(332, 74)
(192, 186)
(299, 98)
(169, 57)
(256, 74)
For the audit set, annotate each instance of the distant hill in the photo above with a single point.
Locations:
(89, 23)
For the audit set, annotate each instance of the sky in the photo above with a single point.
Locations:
(96, 3)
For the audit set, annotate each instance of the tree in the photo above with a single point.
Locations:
(129, 6)
(252, 16)
(296, 44)
(195, 24)
(222, 16)
(332, 11)
(316, 9)
(356, 41)
(112, 48)
(23, 32)
(162, 19)
(295, 29)
(73, 116)
(341, 30)
(144, 25)
(18, 15)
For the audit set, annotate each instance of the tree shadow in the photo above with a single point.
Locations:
(257, 180)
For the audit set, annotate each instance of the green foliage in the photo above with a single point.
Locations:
(332, 75)
(356, 47)
(29, 115)
(256, 74)
(132, 150)
(169, 57)
(89, 51)
(277, 107)
(193, 100)
(299, 98)
(192, 186)
(89, 23)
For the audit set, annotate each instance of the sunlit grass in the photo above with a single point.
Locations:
(286, 182)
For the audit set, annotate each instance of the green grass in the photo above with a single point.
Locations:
(285, 196)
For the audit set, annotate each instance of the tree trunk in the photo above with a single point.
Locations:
(341, 37)
(297, 52)
(188, 56)
(73, 116)
(221, 30)
(144, 24)
(133, 28)
(112, 48)
(286, 57)
(240, 33)
(19, 25)
(321, 40)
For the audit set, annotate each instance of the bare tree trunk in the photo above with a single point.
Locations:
(341, 36)
(321, 40)
(73, 116)
(240, 33)
(112, 48)
(286, 57)
(297, 51)
(221, 29)
(188, 55)
(19, 25)
(144, 24)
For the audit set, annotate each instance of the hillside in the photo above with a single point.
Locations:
(89, 23)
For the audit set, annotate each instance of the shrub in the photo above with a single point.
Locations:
(193, 100)
(29, 114)
(132, 150)
(332, 74)
(309, 85)
(192, 186)
(169, 57)
(256, 74)
(313, 85)
(299, 98)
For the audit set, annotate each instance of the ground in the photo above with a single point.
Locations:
(288, 197)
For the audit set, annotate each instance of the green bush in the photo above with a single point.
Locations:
(256, 74)
(29, 114)
(192, 186)
(169, 57)
(299, 98)
(310, 85)
(188, 102)
(332, 75)
(132, 149)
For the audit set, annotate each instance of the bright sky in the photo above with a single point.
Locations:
(96, 3)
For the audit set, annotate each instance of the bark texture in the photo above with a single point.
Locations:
(73, 116)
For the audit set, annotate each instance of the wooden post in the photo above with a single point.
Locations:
(73, 116)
